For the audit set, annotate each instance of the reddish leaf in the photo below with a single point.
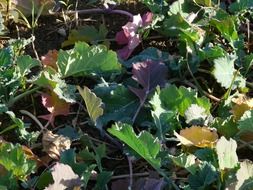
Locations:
(55, 106)
(148, 74)
(130, 35)
(121, 38)
(50, 59)
(147, 18)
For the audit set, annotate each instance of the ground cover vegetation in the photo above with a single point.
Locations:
(149, 94)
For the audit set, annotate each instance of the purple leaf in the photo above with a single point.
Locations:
(131, 35)
(148, 74)
(154, 184)
(147, 18)
(149, 184)
(121, 184)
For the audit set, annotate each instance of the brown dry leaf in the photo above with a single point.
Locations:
(54, 144)
(197, 136)
(31, 156)
(242, 104)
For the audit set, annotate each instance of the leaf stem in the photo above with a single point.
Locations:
(130, 173)
(98, 10)
(20, 96)
(138, 109)
(33, 118)
(193, 77)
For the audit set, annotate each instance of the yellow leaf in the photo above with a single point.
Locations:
(197, 136)
(241, 104)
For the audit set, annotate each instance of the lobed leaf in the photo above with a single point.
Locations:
(119, 103)
(197, 136)
(143, 144)
(55, 106)
(244, 173)
(226, 151)
(13, 158)
(85, 60)
(224, 73)
(148, 74)
(180, 99)
(92, 102)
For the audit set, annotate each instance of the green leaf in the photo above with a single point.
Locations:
(225, 127)
(156, 6)
(245, 124)
(14, 160)
(3, 108)
(206, 3)
(182, 7)
(243, 174)
(208, 155)
(102, 179)
(226, 27)
(164, 119)
(8, 182)
(185, 161)
(25, 63)
(143, 144)
(92, 102)
(224, 72)
(226, 151)
(120, 104)
(69, 157)
(211, 52)
(190, 35)
(69, 132)
(247, 185)
(44, 179)
(63, 90)
(30, 136)
(85, 60)
(87, 34)
(204, 177)
(241, 5)
(87, 174)
(247, 63)
(9, 80)
(180, 99)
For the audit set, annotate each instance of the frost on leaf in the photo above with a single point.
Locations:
(197, 136)
(55, 106)
(241, 104)
(50, 59)
(64, 178)
(54, 144)
(245, 172)
(225, 73)
(195, 115)
(226, 151)
(148, 74)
